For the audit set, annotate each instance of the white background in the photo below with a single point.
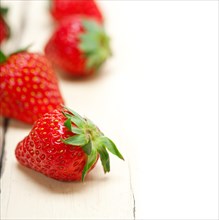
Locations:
(157, 98)
(169, 61)
(175, 100)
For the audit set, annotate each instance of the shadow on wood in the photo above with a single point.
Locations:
(63, 187)
(19, 124)
(103, 72)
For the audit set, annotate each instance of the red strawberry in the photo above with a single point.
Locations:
(65, 146)
(4, 29)
(62, 8)
(79, 46)
(28, 88)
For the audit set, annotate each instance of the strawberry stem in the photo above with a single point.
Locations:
(3, 11)
(95, 44)
(90, 139)
(3, 57)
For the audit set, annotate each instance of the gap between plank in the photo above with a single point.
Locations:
(132, 192)
(16, 42)
(5, 127)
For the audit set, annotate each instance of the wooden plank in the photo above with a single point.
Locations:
(3, 128)
(16, 20)
(141, 102)
(16, 11)
(101, 196)
(29, 195)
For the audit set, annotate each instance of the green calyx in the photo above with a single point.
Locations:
(3, 57)
(3, 11)
(90, 139)
(94, 43)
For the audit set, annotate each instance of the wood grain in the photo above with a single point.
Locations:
(27, 194)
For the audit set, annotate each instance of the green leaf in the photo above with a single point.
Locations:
(68, 124)
(110, 146)
(76, 140)
(3, 11)
(93, 61)
(92, 26)
(75, 117)
(77, 121)
(3, 58)
(89, 42)
(71, 128)
(104, 157)
(94, 43)
(76, 130)
(74, 113)
(87, 148)
(91, 125)
(91, 159)
(67, 115)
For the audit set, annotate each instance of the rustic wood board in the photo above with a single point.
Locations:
(29, 195)
(156, 98)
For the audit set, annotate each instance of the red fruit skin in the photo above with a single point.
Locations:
(28, 88)
(43, 151)
(4, 31)
(63, 47)
(61, 9)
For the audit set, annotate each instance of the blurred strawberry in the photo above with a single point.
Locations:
(4, 29)
(63, 8)
(28, 88)
(79, 46)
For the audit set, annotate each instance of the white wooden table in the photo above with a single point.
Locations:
(148, 98)
(101, 196)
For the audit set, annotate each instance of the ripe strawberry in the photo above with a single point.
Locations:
(4, 29)
(28, 88)
(62, 8)
(64, 146)
(79, 46)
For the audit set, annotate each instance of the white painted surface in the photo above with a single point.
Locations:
(157, 98)
(30, 195)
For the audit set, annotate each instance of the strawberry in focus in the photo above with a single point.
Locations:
(79, 46)
(4, 29)
(28, 88)
(65, 146)
(63, 8)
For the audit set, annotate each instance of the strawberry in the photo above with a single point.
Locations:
(65, 146)
(28, 88)
(4, 29)
(79, 46)
(62, 8)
